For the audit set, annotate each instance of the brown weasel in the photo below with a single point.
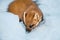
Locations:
(27, 11)
(19, 6)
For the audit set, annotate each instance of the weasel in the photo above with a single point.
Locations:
(27, 11)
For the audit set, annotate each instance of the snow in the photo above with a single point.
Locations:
(10, 28)
(4, 4)
(49, 29)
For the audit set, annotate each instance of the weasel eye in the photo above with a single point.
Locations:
(25, 14)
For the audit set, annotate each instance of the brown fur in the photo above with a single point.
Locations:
(26, 10)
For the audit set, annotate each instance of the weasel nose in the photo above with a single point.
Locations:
(28, 29)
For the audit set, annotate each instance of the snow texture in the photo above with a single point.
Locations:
(10, 28)
(49, 29)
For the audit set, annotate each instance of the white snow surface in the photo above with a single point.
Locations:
(10, 28)
(49, 29)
